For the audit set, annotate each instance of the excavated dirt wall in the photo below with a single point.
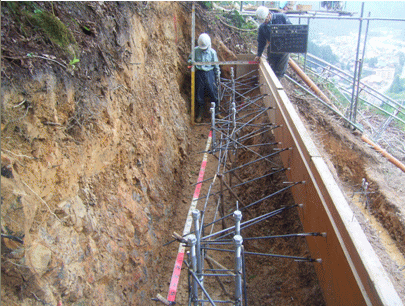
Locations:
(90, 157)
(92, 153)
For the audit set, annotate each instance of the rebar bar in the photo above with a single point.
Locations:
(202, 288)
(260, 177)
(287, 236)
(233, 194)
(212, 111)
(246, 223)
(233, 85)
(297, 258)
(196, 218)
(241, 124)
(237, 216)
(258, 220)
(222, 201)
(256, 160)
(192, 240)
(258, 133)
(238, 240)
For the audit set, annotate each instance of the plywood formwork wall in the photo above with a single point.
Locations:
(350, 272)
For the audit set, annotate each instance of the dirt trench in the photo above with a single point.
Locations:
(93, 154)
(270, 281)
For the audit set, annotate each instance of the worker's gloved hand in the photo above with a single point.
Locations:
(257, 59)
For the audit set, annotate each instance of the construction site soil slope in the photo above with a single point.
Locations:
(95, 154)
(93, 151)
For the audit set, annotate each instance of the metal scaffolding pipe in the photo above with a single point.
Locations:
(380, 96)
(356, 78)
(346, 18)
(324, 103)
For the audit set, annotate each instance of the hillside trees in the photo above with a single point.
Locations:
(397, 89)
(323, 52)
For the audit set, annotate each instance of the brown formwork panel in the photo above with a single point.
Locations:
(313, 218)
(350, 272)
(273, 85)
(243, 69)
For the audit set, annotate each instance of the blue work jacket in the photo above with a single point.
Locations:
(264, 31)
(208, 55)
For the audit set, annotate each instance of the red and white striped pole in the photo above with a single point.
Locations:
(180, 255)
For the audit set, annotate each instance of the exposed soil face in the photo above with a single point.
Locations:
(89, 156)
(96, 164)
(92, 154)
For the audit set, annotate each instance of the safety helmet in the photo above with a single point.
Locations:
(204, 41)
(261, 13)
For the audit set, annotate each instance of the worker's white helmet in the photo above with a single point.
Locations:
(204, 41)
(261, 13)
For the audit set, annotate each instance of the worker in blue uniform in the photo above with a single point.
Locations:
(205, 75)
(278, 61)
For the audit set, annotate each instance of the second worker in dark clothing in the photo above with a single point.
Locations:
(277, 61)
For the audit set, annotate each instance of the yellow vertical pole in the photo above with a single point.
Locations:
(192, 94)
(192, 65)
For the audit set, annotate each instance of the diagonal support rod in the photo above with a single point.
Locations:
(256, 160)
